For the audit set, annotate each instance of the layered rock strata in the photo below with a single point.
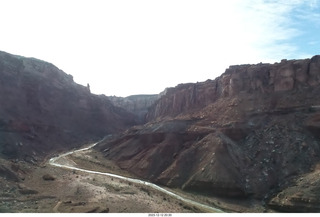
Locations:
(247, 133)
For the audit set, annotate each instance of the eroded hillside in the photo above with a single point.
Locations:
(249, 133)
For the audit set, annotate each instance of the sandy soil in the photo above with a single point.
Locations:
(93, 160)
(75, 191)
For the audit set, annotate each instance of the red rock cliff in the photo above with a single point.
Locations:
(42, 109)
(261, 78)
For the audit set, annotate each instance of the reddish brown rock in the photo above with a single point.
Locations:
(44, 110)
(288, 75)
(244, 134)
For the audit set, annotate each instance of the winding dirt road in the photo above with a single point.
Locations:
(55, 162)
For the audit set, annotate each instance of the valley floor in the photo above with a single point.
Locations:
(51, 189)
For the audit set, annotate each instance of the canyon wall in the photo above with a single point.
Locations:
(288, 75)
(248, 133)
(136, 104)
(43, 110)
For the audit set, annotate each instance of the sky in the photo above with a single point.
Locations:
(127, 47)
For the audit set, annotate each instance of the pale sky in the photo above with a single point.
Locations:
(126, 47)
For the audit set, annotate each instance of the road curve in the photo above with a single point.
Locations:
(53, 162)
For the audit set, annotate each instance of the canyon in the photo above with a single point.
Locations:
(249, 137)
(136, 104)
(250, 133)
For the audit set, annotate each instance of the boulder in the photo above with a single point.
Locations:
(48, 177)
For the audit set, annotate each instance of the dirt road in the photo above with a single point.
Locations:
(63, 161)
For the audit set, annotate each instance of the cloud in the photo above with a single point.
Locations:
(314, 4)
(274, 25)
(124, 47)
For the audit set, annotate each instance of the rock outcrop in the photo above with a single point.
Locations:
(288, 75)
(43, 110)
(247, 133)
(136, 104)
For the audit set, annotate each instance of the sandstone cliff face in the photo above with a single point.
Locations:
(247, 133)
(136, 104)
(261, 78)
(42, 109)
